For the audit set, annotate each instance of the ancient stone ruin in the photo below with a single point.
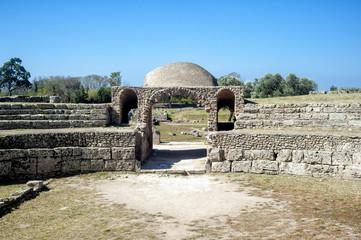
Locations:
(321, 140)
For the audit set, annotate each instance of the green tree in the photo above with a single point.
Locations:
(80, 96)
(333, 88)
(248, 88)
(13, 76)
(268, 86)
(228, 80)
(115, 79)
(104, 95)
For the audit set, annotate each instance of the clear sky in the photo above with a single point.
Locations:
(317, 39)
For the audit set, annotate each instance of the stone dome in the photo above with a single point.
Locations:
(179, 74)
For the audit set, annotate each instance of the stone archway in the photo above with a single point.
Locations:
(226, 99)
(128, 101)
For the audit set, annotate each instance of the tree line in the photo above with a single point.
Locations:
(14, 79)
(270, 85)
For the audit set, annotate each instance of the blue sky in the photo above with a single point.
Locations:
(317, 39)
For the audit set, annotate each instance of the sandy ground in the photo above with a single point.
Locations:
(184, 201)
(177, 156)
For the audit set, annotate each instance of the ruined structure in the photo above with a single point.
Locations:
(322, 140)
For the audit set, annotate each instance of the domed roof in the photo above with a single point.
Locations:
(179, 74)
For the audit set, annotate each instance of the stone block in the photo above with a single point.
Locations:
(94, 165)
(9, 154)
(317, 157)
(293, 168)
(318, 170)
(284, 156)
(24, 166)
(337, 116)
(259, 155)
(214, 155)
(41, 153)
(132, 165)
(105, 153)
(49, 165)
(241, 166)
(356, 158)
(355, 123)
(262, 166)
(119, 153)
(352, 172)
(5, 168)
(90, 153)
(72, 166)
(235, 154)
(36, 185)
(222, 167)
(341, 159)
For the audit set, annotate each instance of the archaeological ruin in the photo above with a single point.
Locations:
(310, 139)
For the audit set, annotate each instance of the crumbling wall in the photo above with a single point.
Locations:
(273, 153)
(40, 155)
(45, 99)
(328, 115)
(44, 116)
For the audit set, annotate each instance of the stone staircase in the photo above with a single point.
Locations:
(46, 115)
(300, 115)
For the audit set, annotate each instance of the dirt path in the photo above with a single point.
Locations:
(184, 201)
(177, 156)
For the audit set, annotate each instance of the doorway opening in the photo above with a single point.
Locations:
(225, 110)
(129, 101)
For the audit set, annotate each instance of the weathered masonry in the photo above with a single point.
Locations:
(212, 98)
(312, 139)
(49, 153)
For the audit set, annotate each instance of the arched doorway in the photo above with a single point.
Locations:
(128, 101)
(225, 103)
(174, 152)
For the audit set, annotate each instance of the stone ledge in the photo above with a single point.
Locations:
(20, 196)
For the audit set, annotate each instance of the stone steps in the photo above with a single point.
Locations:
(44, 124)
(45, 115)
(300, 115)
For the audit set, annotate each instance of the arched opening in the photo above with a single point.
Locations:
(181, 143)
(128, 102)
(225, 110)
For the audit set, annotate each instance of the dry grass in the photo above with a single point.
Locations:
(7, 190)
(303, 208)
(324, 98)
(329, 200)
(69, 212)
(177, 128)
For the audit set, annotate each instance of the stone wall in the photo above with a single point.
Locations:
(300, 115)
(273, 153)
(43, 116)
(40, 155)
(44, 99)
(146, 97)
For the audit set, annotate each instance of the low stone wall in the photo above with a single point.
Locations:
(300, 115)
(45, 99)
(26, 156)
(43, 116)
(298, 154)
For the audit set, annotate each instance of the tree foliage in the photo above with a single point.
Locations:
(232, 79)
(104, 95)
(275, 86)
(115, 79)
(14, 76)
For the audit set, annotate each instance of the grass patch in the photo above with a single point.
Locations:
(7, 190)
(324, 98)
(166, 128)
(68, 211)
(329, 199)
